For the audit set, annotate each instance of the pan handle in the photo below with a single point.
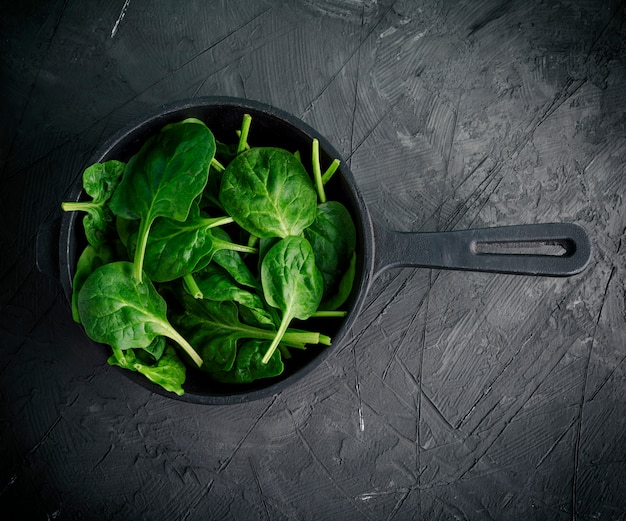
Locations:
(553, 249)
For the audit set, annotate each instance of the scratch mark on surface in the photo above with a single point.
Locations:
(401, 398)
(614, 16)
(11, 481)
(219, 41)
(228, 460)
(371, 130)
(104, 456)
(245, 436)
(449, 145)
(356, 85)
(120, 18)
(607, 378)
(497, 12)
(399, 504)
(408, 440)
(405, 333)
(555, 444)
(44, 437)
(581, 405)
(327, 472)
(257, 480)
(379, 313)
(348, 59)
(419, 398)
(357, 388)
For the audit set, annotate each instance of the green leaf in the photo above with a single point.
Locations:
(216, 284)
(291, 283)
(90, 259)
(268, 192)
(117, 309)
(168, 372)
(164, 178)
(232, 262)
(99, 182)
(155, 348)
(176, 249)
(343, 288)
(333, 239)
(248, 365)
(217, 346)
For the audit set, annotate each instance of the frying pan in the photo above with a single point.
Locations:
(498, 249)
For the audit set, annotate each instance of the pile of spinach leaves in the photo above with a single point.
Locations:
(203, 254)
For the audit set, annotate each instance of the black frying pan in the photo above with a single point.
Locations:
(487, 249)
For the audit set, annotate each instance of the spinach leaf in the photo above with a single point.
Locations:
(248, 365)
(175, 249)
(99, 182)
(343, 288)
(153, 351)
(215, 284)
(116, 308)
(216, 345)
(90, 259)
(164, 178)
(169, 372)
(333, 238)
(126, 230)
(291, 282)
(268, 192)
(232, 262)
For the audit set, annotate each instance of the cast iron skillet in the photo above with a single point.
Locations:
(378, 248)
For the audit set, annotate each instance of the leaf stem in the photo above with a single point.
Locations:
(329, 314)
(176, 336)
(78, 206)
(213, 222)
(241, 248)
(140, 252)
(192, 286)
(317, 171)
(253, 240)
(243, 136)
(330, 171)
(279, 335)
(217, 165)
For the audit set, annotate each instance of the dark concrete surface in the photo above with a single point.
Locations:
(459, 395)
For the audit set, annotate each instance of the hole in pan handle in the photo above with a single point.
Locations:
(548, 249)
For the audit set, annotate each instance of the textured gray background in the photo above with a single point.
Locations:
(458, 395)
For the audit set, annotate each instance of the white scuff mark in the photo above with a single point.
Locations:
(418, 36)
(357, 388)
(388, 32)
(120, 18)
(406, 139)
(361, 420)
(368, 496)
